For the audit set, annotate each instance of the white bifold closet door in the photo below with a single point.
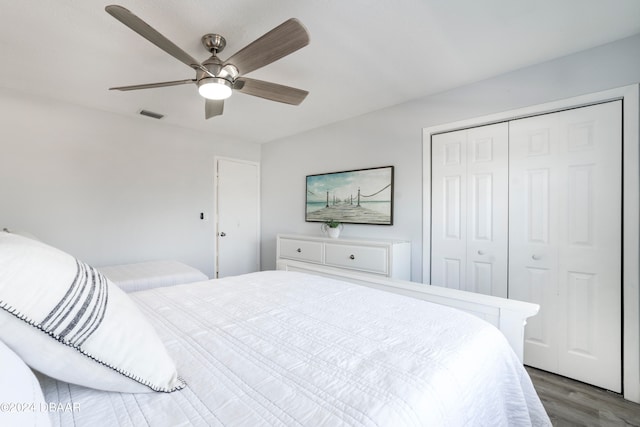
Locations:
(469, 209)
(565, 201)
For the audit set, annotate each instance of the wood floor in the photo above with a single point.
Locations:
(572, 403)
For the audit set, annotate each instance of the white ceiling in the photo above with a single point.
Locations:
(364, 55)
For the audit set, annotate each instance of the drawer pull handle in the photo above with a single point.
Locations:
(352, 257)
(536, 257)
(298, 250)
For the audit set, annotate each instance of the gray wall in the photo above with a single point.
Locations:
(112, 189)
(106, 188)
(393, 136)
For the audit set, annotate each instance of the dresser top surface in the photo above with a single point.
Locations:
(341, 239)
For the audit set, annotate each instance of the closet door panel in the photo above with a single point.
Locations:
(590, 257)
(449, 210)
(487, 201)
(469, 209)
(532, 255)
(564, 218)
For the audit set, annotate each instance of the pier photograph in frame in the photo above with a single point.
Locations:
(362, 196)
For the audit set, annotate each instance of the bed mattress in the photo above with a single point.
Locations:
(285, 349)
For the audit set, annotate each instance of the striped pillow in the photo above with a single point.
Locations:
(68, 321)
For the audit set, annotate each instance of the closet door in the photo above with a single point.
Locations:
(469, 209)
(565, 215)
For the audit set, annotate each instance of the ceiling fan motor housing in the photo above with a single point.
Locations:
(220, 86)
(218, 69)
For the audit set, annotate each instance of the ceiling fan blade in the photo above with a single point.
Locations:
(145, 30)
(270, 91)
(153, 85)
(213, 108)
(286, 38)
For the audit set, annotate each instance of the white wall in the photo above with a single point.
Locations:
(107, 188)
(393, 136)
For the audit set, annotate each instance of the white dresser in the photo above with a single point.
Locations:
(386, 258)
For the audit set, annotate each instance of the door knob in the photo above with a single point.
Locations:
(223, 234)
(352, 257)
(536, 257)
(481, 252)
(298, 250)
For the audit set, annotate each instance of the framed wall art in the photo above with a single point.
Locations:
(362, 196)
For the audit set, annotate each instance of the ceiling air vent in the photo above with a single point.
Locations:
(150, 114)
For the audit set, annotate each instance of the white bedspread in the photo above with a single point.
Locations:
(287, 349)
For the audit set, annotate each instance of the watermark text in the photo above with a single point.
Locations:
(39, 407)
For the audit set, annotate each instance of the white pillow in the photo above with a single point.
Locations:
(21, 399)
(68, 321)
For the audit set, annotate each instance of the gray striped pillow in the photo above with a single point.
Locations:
(68, 321)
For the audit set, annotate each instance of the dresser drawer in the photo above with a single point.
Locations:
(301, 250)
(366, 258)
(379, 257)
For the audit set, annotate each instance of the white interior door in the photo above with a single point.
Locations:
(565, 201)
(238, 217)
(470, 209)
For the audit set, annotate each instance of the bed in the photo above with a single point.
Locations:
(152, 274)
(509, 316)
(289, 348)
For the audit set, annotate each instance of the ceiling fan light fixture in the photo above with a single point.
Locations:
(214, 88)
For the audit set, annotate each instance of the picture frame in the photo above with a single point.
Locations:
(359, 196)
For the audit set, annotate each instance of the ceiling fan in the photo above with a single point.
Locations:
(216, 79)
